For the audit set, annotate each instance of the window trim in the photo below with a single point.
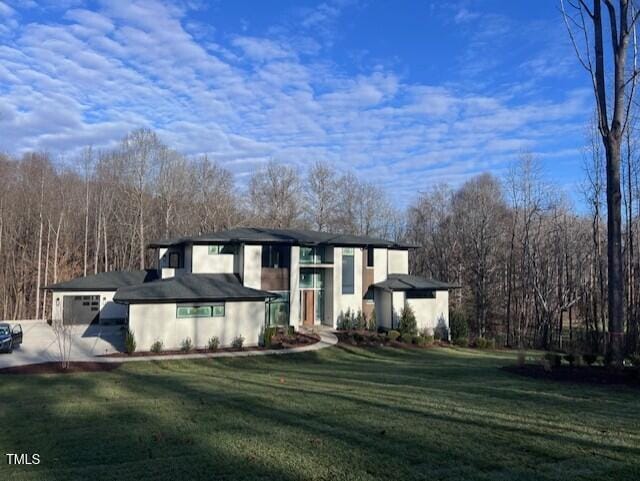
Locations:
(348, 289)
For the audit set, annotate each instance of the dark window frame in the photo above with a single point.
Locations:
(175, 265)
(348, 288)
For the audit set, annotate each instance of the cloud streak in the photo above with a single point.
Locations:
(88, 77)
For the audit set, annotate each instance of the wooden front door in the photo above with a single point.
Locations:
(308, 307)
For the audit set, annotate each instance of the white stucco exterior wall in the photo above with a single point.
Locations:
(398, 298)
(252, 266)
(429, 311)
(398, 261)
(109, 310)
(383, 307)
(294, 287)
(342, 302)
(379, 265)
(205, 263)
(158, 322)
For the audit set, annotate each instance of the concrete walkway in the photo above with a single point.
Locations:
(90, 342)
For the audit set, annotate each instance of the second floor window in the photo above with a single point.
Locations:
(348, 277)
(275, 257)
(369, 256)
(312, 255)
(215, 249)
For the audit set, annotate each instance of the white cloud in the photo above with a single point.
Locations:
(94, 75)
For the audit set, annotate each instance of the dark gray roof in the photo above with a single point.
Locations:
(405, 282)
(105, 281)
(191, 288)
(256, 235)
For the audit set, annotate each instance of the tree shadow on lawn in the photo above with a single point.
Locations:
(360, 435)
(232, 418)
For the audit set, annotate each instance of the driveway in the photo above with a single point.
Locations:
(40, 344)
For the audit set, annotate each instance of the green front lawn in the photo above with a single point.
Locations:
(337, 414)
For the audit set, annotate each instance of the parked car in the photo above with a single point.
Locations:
(10, 337)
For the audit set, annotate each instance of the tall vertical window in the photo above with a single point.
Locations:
(274, 256)
(348, 271)
(369, 256)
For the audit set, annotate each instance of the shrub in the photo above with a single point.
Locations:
(360, 320)
(589, 358)
(345, 320)
(186, 345)
(441, 332)
(481, 343)
(129, 342)
(393, 335)
(555, 360)
(358, 337)
(458, 325)
(417, 340)
(156, 347)
(406, 338)
(372, 323)
(213, 344)
(408, 324)
(491, 343)
(237, 342)
(424, 341)
(269, 332)
(461, 341)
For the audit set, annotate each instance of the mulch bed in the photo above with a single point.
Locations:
(285, 342)
(56, 368)
(584, 374)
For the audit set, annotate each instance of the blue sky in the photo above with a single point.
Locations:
(412, 93)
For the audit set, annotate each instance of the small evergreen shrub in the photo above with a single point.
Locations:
(360, 320)
(186, 345)
(213, 344)
(441, 332)
(237, 342)
(481, 343)
(406, 338)
(458, 325)
(156, 347)
(372, 323)
(345, 320)
(428, 340)
(491, 343)
(408, 325)
(129, 342)
(393, 335)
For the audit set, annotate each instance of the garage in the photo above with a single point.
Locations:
(81, 309)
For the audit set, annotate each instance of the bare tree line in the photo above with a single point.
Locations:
(99, 214)
(532, 269)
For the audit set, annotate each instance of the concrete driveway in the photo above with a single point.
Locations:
(40, 344)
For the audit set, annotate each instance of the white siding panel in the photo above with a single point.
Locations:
(158, 322)
(205, 263)
(398, 261)
(429, 311)
(252, 266)
(294, 293)
(379, 265)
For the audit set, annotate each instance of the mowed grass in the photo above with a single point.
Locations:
(338, 414)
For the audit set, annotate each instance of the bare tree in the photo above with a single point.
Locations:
(613, 100)
(276, 196)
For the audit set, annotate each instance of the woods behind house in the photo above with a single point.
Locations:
(531, 266)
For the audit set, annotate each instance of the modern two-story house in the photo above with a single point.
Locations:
(237, 282)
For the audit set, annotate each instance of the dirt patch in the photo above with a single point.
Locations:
(287, 342)
(584, 374)
(56, 368)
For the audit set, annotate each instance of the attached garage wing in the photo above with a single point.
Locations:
(81, 309)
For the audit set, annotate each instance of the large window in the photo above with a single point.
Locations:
(212, 310)
(348, 276)
(275, 256)
(217, 249)
(312, 255)
(311, 278)
(278, 310)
